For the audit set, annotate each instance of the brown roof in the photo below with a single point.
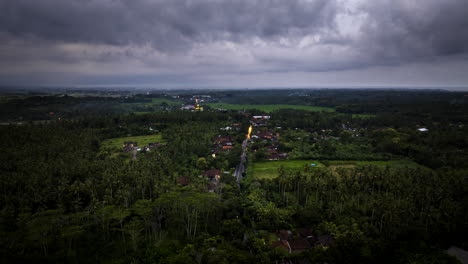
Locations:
(212, 173)
(299, 244)
(221, 140)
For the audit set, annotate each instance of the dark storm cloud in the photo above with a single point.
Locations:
(406, 30)
(166, 24)
(231, 37)
(394, 30)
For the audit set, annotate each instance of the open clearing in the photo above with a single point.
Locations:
(114, 143)
(269, 169)
(156, 101)
(269, 108)
(364, 116)
(148, 107)
(164, 100)
(379, 163)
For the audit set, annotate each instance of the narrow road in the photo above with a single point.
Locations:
(240, 169)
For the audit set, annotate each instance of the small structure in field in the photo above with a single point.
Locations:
(152, 146)
(213, 175)
(129, 146)
(188, 107)
(261, 117)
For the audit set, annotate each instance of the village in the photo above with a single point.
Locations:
(234, 174)
(265, 142)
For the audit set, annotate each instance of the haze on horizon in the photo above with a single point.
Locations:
(244, 43)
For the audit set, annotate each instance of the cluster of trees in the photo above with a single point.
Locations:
(64, 199)
(336, 136)
(380, 212)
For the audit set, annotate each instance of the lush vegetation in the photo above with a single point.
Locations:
(382, 191)
(269, 108)
(356, 163)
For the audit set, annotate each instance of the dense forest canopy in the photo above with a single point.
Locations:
(383, 178)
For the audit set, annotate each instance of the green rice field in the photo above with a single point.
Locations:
(157, 101)
(380, 163)
(363, 116)
(269, 169)
(164, 100)
(117, 143)
(270, 108)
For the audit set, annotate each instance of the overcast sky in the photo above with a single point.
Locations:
(234, 43)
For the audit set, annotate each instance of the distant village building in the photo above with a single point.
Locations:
(129, 146)
(304, 240)
(266, 135)
(273, 154)
(188, 107)
(222, 144)
(222, 140)
(261, 117)
(152, 146)
(213, 175)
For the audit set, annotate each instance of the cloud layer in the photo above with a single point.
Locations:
(197, 42)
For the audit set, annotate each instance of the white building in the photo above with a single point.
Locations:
(261, 117)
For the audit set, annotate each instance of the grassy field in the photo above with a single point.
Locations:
(157, 101)
(154, 102)
(355, 163)
(269, 108)
(140, 108)
(363, 116)
(114, 143)
(164, 100)
(269, 169)
(142, 113)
